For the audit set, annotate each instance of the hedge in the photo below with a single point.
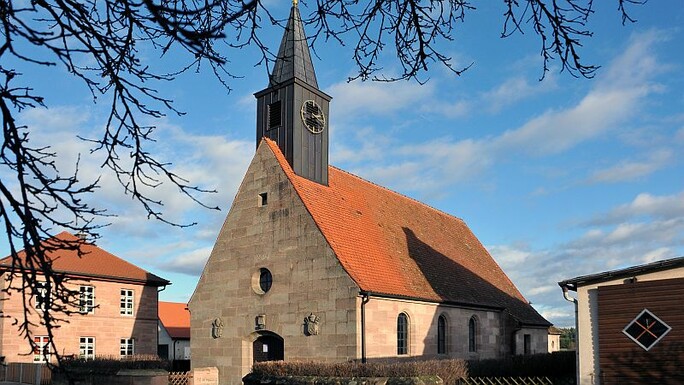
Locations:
(558, 364)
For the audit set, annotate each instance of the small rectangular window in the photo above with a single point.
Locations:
(41, 350)
(87, 299)
(127, 347)
(263, 199)
(126, 307)
(87, 348)
(527, 343)
(275, 115)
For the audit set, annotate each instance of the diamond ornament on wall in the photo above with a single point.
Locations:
(646, 329)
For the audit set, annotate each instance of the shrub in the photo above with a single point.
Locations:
(558, 364)
(448, 370)
(104, 365)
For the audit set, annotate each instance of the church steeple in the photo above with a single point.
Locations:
(292, 111)
(294, 59)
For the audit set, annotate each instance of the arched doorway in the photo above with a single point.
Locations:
(268, 347)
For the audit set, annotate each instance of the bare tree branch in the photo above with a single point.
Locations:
(98, 42)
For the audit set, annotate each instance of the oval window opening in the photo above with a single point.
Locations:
(265, 280)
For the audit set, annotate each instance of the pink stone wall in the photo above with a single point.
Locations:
(106, 324)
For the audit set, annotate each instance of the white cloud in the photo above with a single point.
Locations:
(449, 110)
(366, 150)
(565, 315)
(644, 205)
(628, 170)
(191, 262)
(658, 254)
(642, 232)
(542, 289)
(513, 90)
(59, 118)
(429, 166)
(615, 99)
(508, 256)
(557, 131)
(210, 162)
(357, 98)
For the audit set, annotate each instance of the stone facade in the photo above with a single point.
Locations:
(538, 337)
(282, 237)
(105, 324)
(381, 320)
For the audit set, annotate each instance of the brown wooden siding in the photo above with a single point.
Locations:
(621, 360)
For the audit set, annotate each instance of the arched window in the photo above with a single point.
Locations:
(402, 334)
(472, 334)
(441, 335)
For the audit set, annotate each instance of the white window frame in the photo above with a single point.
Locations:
(41, 352)
(87, 299)
(127, 347)
(127, 303)
(86, 348)
(40, 297)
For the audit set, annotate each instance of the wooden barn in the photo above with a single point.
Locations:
(630, 324)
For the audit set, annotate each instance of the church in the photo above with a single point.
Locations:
(315, 263)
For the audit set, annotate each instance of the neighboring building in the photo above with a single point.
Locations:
(630, 324)
(314, 263)
(174, 331)
(554, 339)
(118, 307)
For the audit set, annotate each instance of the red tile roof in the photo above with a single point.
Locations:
(393, 245)
(175, 317)
(93, 262)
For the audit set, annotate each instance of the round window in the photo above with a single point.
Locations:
(265, 280)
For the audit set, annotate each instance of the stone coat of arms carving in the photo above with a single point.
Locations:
(311, 325)
(217, 328)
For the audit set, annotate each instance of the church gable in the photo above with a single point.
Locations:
(269, 228)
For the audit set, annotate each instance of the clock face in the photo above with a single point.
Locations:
(313, 116)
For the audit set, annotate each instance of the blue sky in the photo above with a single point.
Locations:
(557, 178)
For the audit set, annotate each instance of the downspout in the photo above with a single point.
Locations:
(568, 298)
(364, 300)
(158, 291)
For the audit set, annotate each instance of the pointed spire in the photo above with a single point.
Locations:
(294, 58)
